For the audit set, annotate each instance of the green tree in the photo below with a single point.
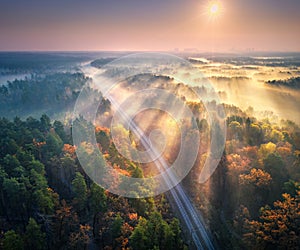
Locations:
(156, 233)
(291, 187)
(16, 196)
(80, 191)
(254, 134)
(138, 238)
(34, 237)
(45, 123)
(116, 226)
(12, 241)
(274, 165)
(177, 238)
(60, 130)
(12, 166)
(98, 198)
(40, 192)
(98, 201)
(9, 146)
(103, 138)
(38, 167)
(53, 145)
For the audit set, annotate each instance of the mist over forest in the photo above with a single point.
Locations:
(49, 201)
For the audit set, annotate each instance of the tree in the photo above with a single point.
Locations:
(33, 123)
(40, 192)
(12, 241)
(12, 166)
(235, 130)
(66, 221)
(274, 165)
(53, 145)
(98, 201)
(98, 198)
(176, 241)
(266, 149)
(79, 240)
(3, 176)
(240, 219)
(116, 226)
(277, 228)
(156, 233)
(38, 167)
(102, 136)
(291, 187)
(255, 134)
(60, 130)
(8, 146)
(16, 196)
(256, 177)
(45, 123)
(80, 191)
(34, 237)
(138, 238)
(255, 187)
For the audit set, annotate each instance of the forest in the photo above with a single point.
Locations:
(48, 201)
(252, 199)
(38, 94)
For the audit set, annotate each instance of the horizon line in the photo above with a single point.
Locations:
(187, 51)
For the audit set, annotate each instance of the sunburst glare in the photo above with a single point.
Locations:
(213, 9)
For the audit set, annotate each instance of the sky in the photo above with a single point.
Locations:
(139, 25)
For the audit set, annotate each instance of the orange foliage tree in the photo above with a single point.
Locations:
(277, 228)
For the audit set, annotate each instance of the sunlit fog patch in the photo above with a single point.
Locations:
(241, 81)
(157, 111)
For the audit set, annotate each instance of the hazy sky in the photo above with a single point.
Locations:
(149, 25)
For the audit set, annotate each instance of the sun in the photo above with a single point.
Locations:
(214, 8)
